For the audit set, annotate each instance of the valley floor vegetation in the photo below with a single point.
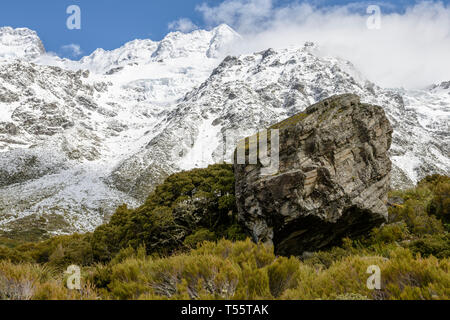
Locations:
(185, 242)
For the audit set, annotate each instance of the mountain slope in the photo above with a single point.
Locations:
(77, 138)
(251, 92)
(65, 124)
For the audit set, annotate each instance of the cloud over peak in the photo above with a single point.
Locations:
(184, 25)
(74, 50)
(409, 49)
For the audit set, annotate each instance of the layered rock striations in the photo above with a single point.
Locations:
(332, 180)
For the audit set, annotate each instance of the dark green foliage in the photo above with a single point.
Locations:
(198, 237)
(396, 231)
(426, 208)
(58, 251)
(436, 245)
(188, 208)
(186, 203)
(440, 203)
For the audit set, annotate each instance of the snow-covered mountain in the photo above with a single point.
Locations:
(78, 138)
(249, 93)
(21, 43)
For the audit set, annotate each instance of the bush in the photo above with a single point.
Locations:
(436, 245)
(29, 281)
(390, 233)
(200, 200)
(244, 270)
(414, 214)
(283, 274)
(236, 270)
(199, 237)
(426, 208)
(407, 277)
(440, 204)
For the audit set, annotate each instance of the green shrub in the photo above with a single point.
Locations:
(390, 232)
(283, 274)
(440, 204)
(185, 202)
(414, 214)
(436, 245)
(405, 276)
(198, 237)
(236, 270)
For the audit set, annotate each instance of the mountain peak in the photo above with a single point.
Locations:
(224, 29)
(213, 43)
(198, 44)
(19, 43)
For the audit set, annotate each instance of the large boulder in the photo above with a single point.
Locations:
(331, 182)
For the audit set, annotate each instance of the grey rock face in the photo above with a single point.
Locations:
(332, 181)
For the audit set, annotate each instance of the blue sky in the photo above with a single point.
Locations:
(110, 23)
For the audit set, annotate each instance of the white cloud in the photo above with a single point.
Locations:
(183, 25)
(411, 49)
(245, 14)
(73, 49)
